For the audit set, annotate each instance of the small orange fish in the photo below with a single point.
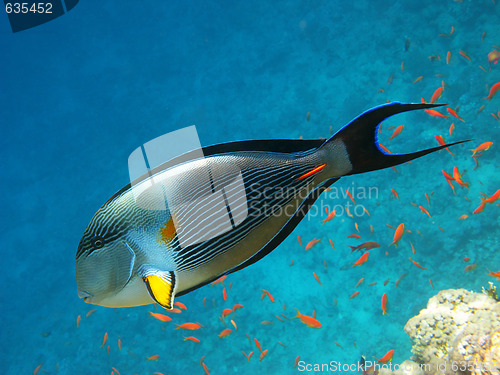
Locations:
(360, 282)
(78, 319)
(225, 333)
(463, 217)
(191, 338)
(493, 198)
(308, 320)
(417, 264)
(300, 240)
(437, 94)
(430, 282)
(355, 294)
(493, 90)
(312, 243)
(440, 140)
(115, 370)
(234, 325)
(237, 306)
(398, 234)
(350, 196)
(448, 57)
(90, 313)
(264, 293)
(205, 368)
(257, 343)
(224, 294)
(418, 79)
(425, 211)
(480, 208)
(154, 357)
(297, 360)
(226, 312)
(219, 280)
(458, 178)
(399, 280)
(466, 259)
(354, 236)
(330, 216)
(37, 369)
(454, 114)
(452, 127)
(162, 317)
(494, 274)
(119, 344)
(470, 267)
(263, 354)
(180, 305)
(104, 340)
(387, 357)
(317, 278)
(361, 260)
(189, 326)
(397, 132)
(331, 244)
(435, 113)
(482, 147)
(464, 54)
(394, 192)
(384, 304)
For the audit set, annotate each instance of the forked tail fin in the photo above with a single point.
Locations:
(360, 138)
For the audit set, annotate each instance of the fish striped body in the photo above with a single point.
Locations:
(187, 223)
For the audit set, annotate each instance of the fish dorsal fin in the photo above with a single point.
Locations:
(161, 287)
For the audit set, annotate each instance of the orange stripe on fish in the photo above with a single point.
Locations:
(257, 343)
(311, 172)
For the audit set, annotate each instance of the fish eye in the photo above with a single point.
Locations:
(97, 242)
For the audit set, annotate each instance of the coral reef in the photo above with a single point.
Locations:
(457, 334)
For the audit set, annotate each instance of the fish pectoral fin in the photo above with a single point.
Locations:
(161, 287)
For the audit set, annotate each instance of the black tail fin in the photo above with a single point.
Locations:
(360, 138)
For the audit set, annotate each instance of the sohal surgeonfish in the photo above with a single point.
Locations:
(133, 253)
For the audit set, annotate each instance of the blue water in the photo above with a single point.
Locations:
(80, 93)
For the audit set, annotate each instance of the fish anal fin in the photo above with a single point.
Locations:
(161, 287)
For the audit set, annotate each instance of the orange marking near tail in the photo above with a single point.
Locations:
(311, 172)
